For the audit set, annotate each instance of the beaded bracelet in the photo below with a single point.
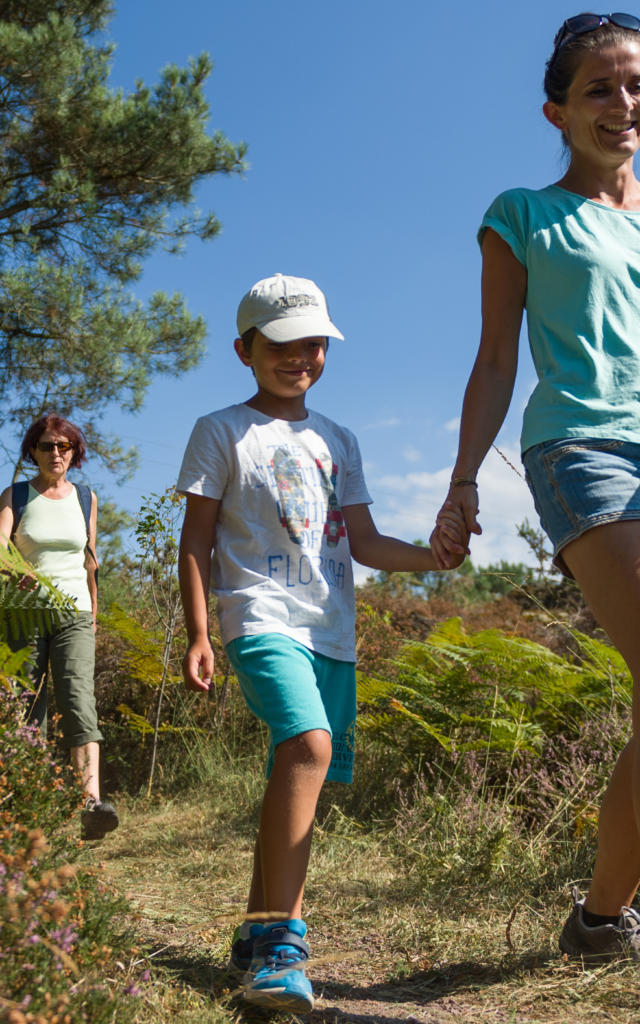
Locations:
(461, 481)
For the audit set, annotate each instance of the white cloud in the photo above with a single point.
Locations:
(393, 421)
(406, 506)
(453, 425)
(411, 454)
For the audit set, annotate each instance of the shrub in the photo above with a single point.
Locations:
(502, 751)
(61, 930)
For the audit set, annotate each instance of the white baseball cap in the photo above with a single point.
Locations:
(285, 309)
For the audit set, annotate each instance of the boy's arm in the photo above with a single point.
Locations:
(392, 555)
(194, 568)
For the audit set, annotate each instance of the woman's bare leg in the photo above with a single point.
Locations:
(606, 564)
(86, 761)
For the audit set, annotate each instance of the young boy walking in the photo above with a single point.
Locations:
(276, 492)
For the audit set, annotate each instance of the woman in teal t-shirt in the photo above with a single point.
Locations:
(570, 255)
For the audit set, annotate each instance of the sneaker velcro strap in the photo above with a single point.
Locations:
(267, 943)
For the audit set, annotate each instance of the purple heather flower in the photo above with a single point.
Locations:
(65, 938)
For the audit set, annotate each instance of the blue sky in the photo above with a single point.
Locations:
(378, 134)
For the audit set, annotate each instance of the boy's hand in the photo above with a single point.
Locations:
(197, 666)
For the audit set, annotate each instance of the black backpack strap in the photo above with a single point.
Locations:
(85, 499)
(19, 498)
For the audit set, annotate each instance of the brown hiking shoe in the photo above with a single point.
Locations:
(605, 941)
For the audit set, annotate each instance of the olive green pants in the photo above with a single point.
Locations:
(68, 651)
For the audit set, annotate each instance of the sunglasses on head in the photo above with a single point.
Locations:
(582, 23)
(48, 446)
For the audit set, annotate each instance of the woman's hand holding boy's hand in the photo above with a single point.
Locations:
(197, 666)
(449, 541)
(464, 497)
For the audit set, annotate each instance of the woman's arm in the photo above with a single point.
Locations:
(91, 559)
(6, 516)
(488, 393)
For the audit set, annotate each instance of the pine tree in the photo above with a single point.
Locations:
(91, 182)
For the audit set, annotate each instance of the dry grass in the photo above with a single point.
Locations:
(384, 949)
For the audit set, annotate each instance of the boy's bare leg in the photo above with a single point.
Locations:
(286, 824)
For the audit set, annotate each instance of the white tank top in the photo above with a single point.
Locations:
(52, 535)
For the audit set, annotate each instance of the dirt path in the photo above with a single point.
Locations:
(186, 880)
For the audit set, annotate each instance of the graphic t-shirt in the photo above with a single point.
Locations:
(281, 560)
(583, 311)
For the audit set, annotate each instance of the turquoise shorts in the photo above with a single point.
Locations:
(294, 690)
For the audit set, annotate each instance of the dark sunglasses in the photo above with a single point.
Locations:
(48, 446)
(582, 23)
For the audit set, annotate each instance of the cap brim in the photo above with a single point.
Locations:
(292, 328)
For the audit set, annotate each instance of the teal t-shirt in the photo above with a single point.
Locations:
(583, 311)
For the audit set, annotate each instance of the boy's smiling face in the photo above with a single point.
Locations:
(284, 372)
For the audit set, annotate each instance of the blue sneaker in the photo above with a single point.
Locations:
(276, 978)
(242, 945)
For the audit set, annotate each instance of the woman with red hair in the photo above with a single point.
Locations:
(46, 521)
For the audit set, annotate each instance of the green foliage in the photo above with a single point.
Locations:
(27, 598)
(375, 637)
(112, 520)
(149, 648)
(464, 585)
(92, 181)
(60, 936)
(142, 656)
(157, 532)
(497, 751)
(537, 541)
(490, 691)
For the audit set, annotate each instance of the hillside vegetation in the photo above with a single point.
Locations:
(439, 880)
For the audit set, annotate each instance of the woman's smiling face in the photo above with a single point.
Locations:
(600, 118)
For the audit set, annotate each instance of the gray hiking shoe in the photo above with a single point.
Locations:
(604, 942)
(97, 819)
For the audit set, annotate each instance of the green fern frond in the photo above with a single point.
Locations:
(144, 648)
(371, 688)
(490, 690)
(137, 723)
(29, 599)
(141, 725)
(422, 724)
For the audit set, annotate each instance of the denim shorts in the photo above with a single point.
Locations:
(579, 483)
(294, 690)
